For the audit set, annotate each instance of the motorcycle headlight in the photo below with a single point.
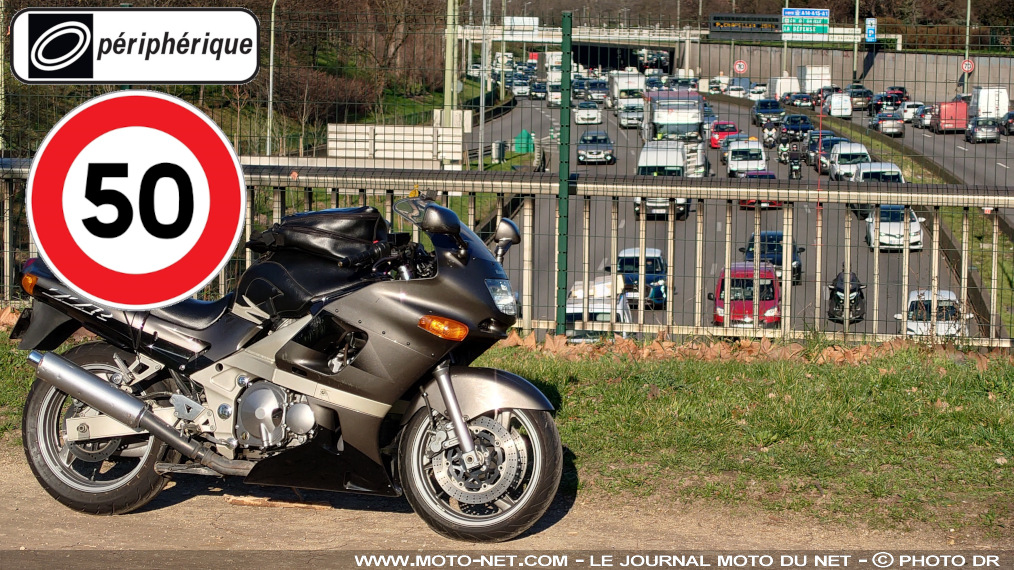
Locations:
(852, 296)
(772, 312)
(841, 294)
(503, 296)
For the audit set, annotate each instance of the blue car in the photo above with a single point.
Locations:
(771, 252)
(654, 290)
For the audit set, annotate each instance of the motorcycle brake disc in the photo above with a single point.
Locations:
(504, 459)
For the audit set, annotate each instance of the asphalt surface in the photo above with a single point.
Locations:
(833, 247)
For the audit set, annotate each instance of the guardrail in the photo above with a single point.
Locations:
(695, 250)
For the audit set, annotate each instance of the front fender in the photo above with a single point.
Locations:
(481, 390)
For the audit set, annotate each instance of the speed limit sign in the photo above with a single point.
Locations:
(136, 199)
(739, 66)
(967, 65)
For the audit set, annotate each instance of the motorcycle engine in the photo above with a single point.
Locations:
(268, 417)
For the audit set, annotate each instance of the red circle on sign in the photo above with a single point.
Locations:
(967, 66)
(176, 118)
(739, 66)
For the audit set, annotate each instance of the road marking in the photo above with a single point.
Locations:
(718, 226)
(963, 148)
(623, 224)
(927, 136)
(807, 208)
(1002, 165)
(712, 271)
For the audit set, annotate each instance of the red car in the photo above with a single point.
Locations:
(752, 202)
(720, 130)
(741, 297)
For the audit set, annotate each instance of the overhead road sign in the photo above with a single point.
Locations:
(805, 24)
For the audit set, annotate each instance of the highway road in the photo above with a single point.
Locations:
(832, 250)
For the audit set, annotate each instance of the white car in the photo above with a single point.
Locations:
(757, 93)
(745, 156)
(521, 88)
(736, 91)
(892, 229)
(602, 302)
(588, 113)
(908, 110)
(950, 319)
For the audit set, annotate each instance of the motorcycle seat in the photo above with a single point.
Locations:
(193, 313)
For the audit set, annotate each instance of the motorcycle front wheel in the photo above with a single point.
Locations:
(521, 465)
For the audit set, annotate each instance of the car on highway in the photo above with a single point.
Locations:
(737, 91)
(860, 97)
(801, 100)
(520, 88)
(745, 156)
(602, 305)
(875, 172)
(742, 297)
(587, 113)
(892, 229)
(837, 105)
(771, 250)
(708, 119)
(597, 90)
(750, 203)
(923, 117)
(721, 130)
(724, 147)
(663, 158)
(538, 90)
(654, 290)
(1007, 123)
(554, 97)
(812, 140)
(630, 116)
(909, 110)
(474, 71)
(822, 160)
(579, 89)
(888, 124)
(950, 319)
(982, 130)
(899, 90)
(757, 92)
(595, 146)
(883, 103)
(796, 126)
(845, 159)
(767, 109)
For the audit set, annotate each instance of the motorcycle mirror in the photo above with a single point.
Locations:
(711, 296)
(507, 230)
(830, 287)
(439, 220)
(608, 268)
(742, 250)
(800, 249)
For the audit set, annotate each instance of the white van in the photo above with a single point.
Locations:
(845, 159)
(662, 158)
(746, 156)
(989, 102)
(878, 172)
(838, 105)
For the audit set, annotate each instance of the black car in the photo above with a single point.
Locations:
(812, 139)
(796, 126)
(1007, 123)
(771, 252)
(801, 100)
(882, 103)
(766, 109)
(836, 299)
(899, 90)
(821, 159)
(537, 91)
(579, 89)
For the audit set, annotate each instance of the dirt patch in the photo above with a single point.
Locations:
(199, 509)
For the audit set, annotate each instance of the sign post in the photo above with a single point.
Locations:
(740, 66)
(127, 227)
(871, 30)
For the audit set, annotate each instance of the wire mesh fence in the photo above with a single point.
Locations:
(876, 201)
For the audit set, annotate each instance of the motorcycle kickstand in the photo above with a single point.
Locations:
(443, 376)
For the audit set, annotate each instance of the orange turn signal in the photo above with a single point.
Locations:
(28, 282)
(447, 329)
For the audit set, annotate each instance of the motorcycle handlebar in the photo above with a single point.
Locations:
(367, 257)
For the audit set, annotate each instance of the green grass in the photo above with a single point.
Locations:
(842, 443)
(910, 439)
(511, 161)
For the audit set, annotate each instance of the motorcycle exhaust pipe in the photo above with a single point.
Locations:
(82, 385)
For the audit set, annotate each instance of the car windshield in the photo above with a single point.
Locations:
(555, 87)
(632, 109)
(747, 154)
(725, 128)
(767, 105)
(587, 105)
(597, 85)
(731, 139)
(920, 310)
(629, 93)
(766, 247)
(629, 265)
(660, 170)
(828, 144)
(797, 120)
(987, 122)
(594, 139)
(895, 215)
(676, 129)
(853, 158)
(742, 290)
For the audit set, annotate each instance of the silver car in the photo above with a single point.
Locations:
(888, 124)
(981, 129)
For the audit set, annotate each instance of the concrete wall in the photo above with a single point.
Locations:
(929, 77)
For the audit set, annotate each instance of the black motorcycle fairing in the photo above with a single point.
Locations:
(286, 283)
(42, 327)
(194, 313)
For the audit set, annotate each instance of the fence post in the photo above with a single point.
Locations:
(564, 190)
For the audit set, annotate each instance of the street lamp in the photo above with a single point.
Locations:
(968, 22)
(524, 40)
(855, 46)
(450, 80)
(271, 76)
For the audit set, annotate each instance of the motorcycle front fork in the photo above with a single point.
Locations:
(465, 443)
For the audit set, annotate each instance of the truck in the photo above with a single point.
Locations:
(550, 66)
(719, 83)
(779, 86)
(989, 102)
(624, 88)
(673, 115)
(950, 116)
(813, 77)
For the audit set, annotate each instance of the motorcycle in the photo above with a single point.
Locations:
(795, 169)
(769, 138)
(836, 299)
(342, 363)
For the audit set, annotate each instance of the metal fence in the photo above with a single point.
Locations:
(937, 251)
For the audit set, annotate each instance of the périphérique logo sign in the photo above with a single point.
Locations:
(135, 46)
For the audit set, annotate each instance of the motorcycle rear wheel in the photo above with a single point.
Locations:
(100, 477)
(505, 497)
